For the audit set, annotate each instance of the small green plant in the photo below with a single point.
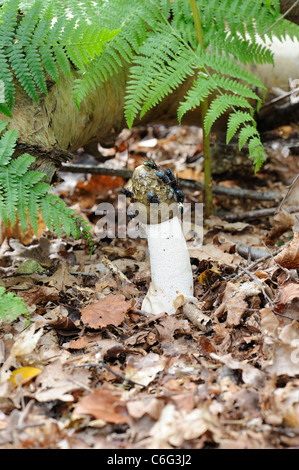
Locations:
(23, 194)
(11, 305)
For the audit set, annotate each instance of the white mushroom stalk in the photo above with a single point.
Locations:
(155, 194)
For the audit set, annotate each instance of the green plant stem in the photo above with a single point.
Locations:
(203, 111)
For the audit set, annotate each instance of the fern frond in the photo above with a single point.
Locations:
(41, 43)
(200, 90)
(235, 120)
(150, 78)
(223, 65)
(23, 194)
(136, 20)
(9, 183)
(161, 66)
(242, 50)
(220, 105)
(7, 146)
(20, 165)
(227, 84)
(256, 152)
(246, 133)
(182, 21)
(237, 16)
(11, 305)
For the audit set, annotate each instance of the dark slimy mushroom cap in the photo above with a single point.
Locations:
(150, 196)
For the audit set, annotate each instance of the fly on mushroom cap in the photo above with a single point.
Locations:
(150, 195)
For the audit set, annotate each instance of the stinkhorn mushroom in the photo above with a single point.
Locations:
(157, 198)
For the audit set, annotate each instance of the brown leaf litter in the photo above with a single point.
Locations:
(221, 373)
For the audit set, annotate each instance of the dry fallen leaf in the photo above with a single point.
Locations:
(26, 342)
(87, 192)
(79, 343)
(110, 310)
(233, 303)
(150, 406)
(175, 427)
(212, 252)
(102, 404)
(144, 370)
(55, 383)
(250, 374)
(287, 293)
(62, 278)
(289, 256)
(39, 294)
(282, 222)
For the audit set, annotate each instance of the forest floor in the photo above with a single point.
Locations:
(91, 370)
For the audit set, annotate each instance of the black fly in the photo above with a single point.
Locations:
(127, 193)
(152, 198)
(152, 165)
(163, 177)
(179, 195)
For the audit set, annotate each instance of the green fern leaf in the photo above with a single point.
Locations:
(7, 79)
(9, 183)
(234, 122)
(11, 305)
(7, 146)
(246, 133)
(256, 152)
(43, 41)
(201, 89)
(23, 194)
(220, 105)
(20, 165)
(150, 79)
(19, 64)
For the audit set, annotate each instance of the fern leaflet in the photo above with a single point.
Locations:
(23, 194)
(11, 305)
(33, 46)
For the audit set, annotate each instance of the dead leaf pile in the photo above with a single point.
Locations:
(91, 370)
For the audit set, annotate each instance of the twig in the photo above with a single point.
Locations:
(285, 316)
(82, 273)
(195, 316)
(254, 265)
(250, 252)
(74, 273)
(115, 270)
(259, 283)
(25, 426)
(96, 170)
(101, 364)
(279, 98)
(220, 190)
(280, 18)
(290, 187)
(258, 213)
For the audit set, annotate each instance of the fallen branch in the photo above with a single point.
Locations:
(219, 190)
(102, 364)
(199, 319)
(257, 214)
(250, 252)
